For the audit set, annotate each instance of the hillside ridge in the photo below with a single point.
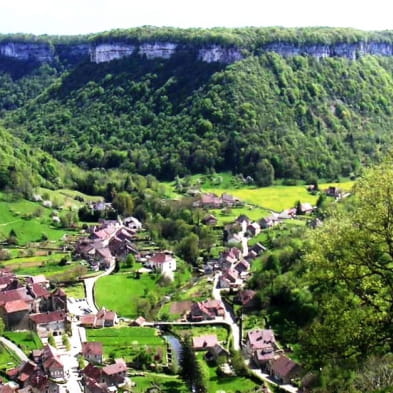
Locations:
(210, 45)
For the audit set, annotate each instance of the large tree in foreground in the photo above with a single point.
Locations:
(351, 275)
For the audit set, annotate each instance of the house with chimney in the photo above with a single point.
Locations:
(261, 346)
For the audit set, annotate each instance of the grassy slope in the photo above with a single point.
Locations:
(27, 341)
(13, 215)
(7, 358)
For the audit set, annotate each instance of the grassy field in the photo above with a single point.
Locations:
(126, 342)
(167, 383)
(131, 290)
(147, 287)
(220, 384)
(7, 358)
(277, 198)
(48, 265)
(224, 216)
(26, 341)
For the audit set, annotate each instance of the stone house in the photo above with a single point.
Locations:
(54, 322)
(15, 314)
(92, 352)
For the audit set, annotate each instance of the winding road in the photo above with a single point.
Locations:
(89, 288)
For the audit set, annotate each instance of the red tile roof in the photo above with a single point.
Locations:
(261, 339)
(53, 363)
(283, 366)
(39, 291)
(15, 294)
(15, 306)
(44, 318)
(92, 348)
(88, 319)
(204, 342)
(161, 258)
(39, 279)
(92, 371)
(118, 367)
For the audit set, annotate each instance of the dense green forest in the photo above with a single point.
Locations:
(23, 167)
(267, 116)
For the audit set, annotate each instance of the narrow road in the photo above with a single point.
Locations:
(216, 293)
(89, 288)
(14, 348)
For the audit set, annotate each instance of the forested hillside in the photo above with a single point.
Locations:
(23, 167)
(268, 116)
(175, 113)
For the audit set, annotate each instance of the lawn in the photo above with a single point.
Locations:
(29, 220)
(276, 198)
(167, 383)
(120, 292)
(76, 290)
(7, 358)
(224, 216)
(220, 331)
(146, 288)
(126, 342)
(222, 384)
(26, 341)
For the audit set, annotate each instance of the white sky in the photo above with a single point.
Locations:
(86, 16)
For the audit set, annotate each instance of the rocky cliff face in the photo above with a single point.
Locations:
(41, 52)
(350, 51)
(216, 53)
(105, 52)
(164, 50)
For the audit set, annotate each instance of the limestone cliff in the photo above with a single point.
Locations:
(117, 48)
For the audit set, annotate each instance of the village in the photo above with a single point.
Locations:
(69, 361)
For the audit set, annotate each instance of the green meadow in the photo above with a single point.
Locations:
(125, 292)
(277, 198)
(126, 342)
